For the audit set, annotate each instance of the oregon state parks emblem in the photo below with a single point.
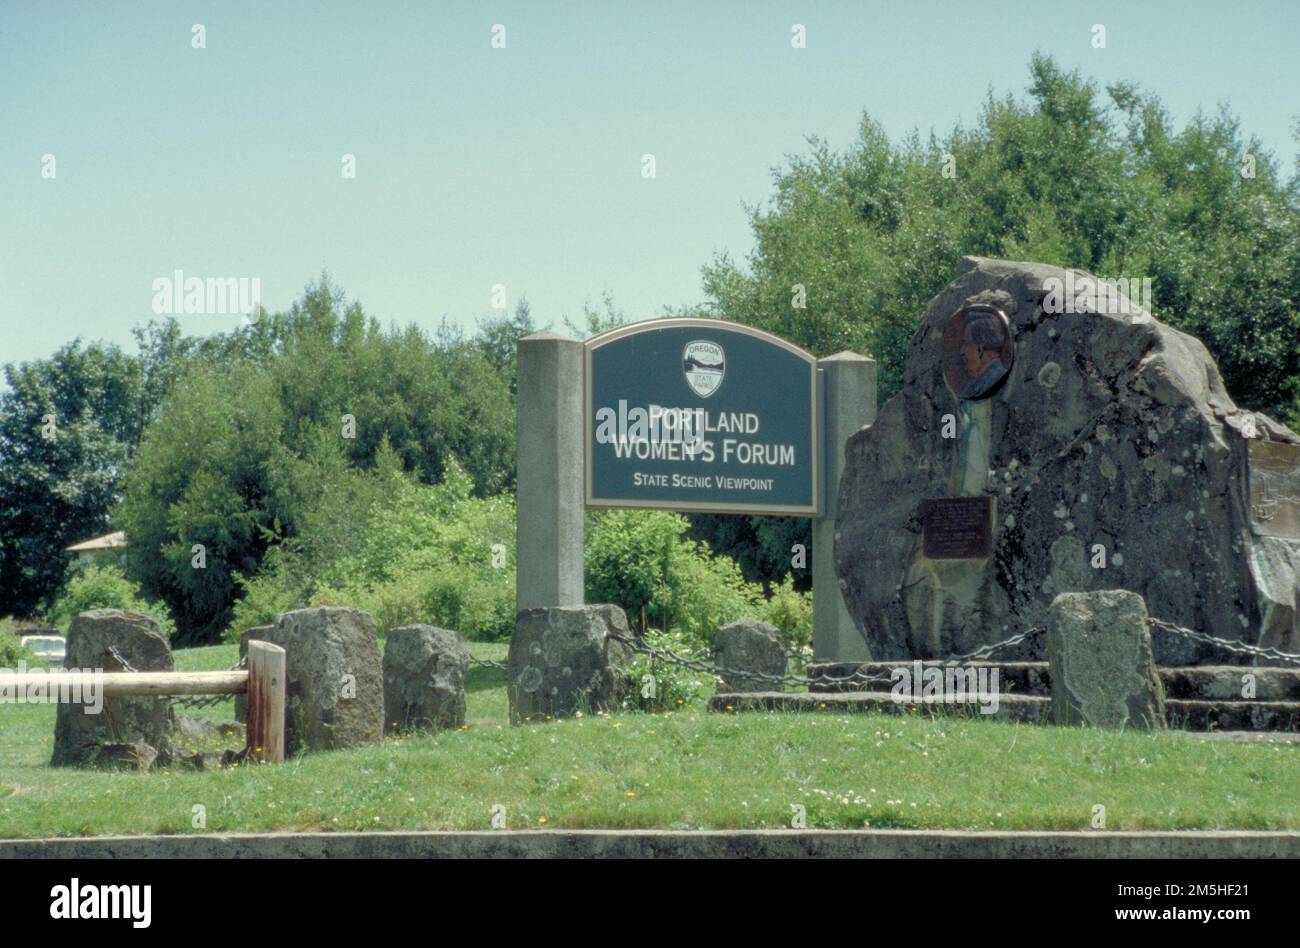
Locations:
(704, 364)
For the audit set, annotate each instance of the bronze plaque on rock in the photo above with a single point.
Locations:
(957, 528)
(977, 351)
(1274, 488)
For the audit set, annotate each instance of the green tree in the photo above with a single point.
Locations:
(103, 587)
(1069, 177)
(764, 548)
(498, 338)
(67, 428)
(433, 398)
(212, 485)
(266, 425)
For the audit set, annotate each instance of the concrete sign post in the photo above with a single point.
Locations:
(848, 405)
(548, 480)
(682, 414)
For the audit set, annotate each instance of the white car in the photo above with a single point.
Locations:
(52, 648)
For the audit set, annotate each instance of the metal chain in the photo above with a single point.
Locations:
(858, 677)
(986, 651)
(708, 668)
(733, 674)
(117, 656)
(206, 701)
(200, 701)
(1228, 645)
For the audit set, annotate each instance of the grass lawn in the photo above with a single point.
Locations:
(684, 770)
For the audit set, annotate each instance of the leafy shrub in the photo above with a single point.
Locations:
(441, 555)
(641, 560)
(434, 554)
(391, 604)
(629, 557)
(479, 605)
(105, 587)
(709, 591)
(276, 590)
(791, 612)
(655, 685)
(11, 649)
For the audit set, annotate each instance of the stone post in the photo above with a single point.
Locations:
(1102, 665)
(567, 660)
(749, 646)
(848, 405)
(130, 732)
(549, 491)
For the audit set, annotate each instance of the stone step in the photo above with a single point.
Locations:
(1029, 678)
(1243, 737)
(1225, 683)
(1201, 682)
(1011, 707)
(1182, 714)
(1195, 715)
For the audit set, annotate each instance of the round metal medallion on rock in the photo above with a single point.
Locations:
(977, 351)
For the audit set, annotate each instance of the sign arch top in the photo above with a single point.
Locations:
(672, 322)
(701, 414)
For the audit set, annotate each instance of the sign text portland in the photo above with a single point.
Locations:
(701, 414)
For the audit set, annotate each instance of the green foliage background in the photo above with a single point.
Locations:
(104, 587)
(57, 491)
(277, 442)
(411, 553)
(11, 648)
(1070, 177)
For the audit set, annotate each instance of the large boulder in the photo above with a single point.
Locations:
(1102, 665)
(1113, 457)
(334, 681)
(424, 679)
(752, 647)
(564, 660)
(138, 730)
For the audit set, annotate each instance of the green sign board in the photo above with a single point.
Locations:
(701, 414)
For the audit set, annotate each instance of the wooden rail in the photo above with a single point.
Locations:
(152, 684)
(264, 681)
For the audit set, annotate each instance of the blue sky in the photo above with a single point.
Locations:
(518, 166)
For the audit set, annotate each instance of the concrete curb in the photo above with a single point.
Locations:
(708, 844)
